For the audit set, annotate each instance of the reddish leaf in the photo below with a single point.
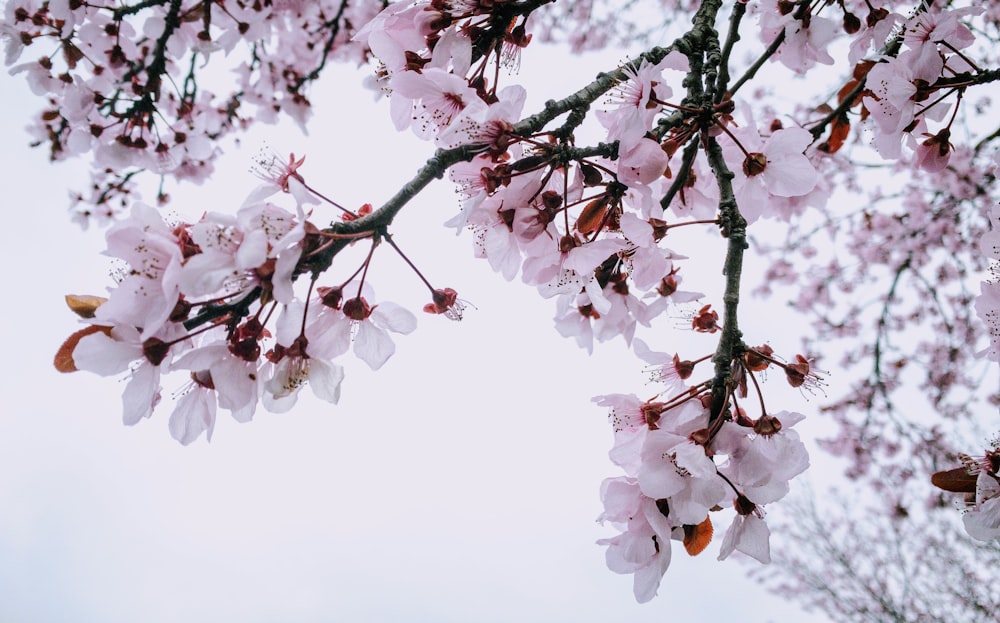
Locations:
(592, 215)
(697, 538)
(64, 356)
(861, 69)
(957, 480)
(839, 130)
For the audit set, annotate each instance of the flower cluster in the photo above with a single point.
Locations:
(122, 82)
(682, 463)
(578, 224)
(216, 300)
(587, 226)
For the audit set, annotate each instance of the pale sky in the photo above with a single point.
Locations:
(458, 483)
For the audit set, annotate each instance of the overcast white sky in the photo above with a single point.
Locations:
(458, 483)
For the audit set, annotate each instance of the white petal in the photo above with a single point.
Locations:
(394, 318)
(235, 382)
(791, 176)
(284, 266)
(373, 345)
(253, 250)
(205, 273)
(259, 194)
(300, 192)
(102, 355)
(788, 141)
(647, 579)
(141, 394)
(289, 324)
(325, 379)
(193, 415)
(750, 535)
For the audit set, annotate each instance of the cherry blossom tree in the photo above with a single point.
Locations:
(907, 565)
(844, 149)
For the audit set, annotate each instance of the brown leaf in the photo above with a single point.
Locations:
(71, 54)
(957, 480)
(64, 356)
(839, 130)
(591, 175)
(697, 538)
(84, 305)
(591, 216)
(861, 69)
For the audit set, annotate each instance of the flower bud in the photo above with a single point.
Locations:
(331, 297)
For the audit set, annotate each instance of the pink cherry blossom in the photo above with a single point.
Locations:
(748, 534)
(358, 323)
(982, 520)
(762, 465)
(279, 176)
(122, 351)
(429, 101)
(149, 289)
(643, 547)
(805, 40)
(298, 363)
(642, 164)
(636, 102)
(194, 413)
(776, 167)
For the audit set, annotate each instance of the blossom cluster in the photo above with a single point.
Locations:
(216, 300)
(897, 298)
(982, 517)
(585, 225)
(682, 465)
(121, 81)
(982, 478)
(574, 223)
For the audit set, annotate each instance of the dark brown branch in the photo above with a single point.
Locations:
(683, 173)
(734, 228)
(739, 10)
(158, 67)
(334, 26)
(124, 11)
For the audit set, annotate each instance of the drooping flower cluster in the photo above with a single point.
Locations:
(863, 272)
(587, 228)
(580, 225)
(682, 465)
(122, 81)
(216, 300)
